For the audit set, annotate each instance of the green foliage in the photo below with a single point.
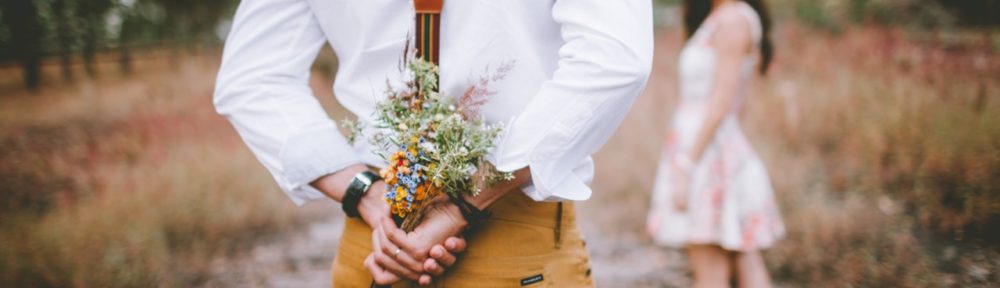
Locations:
(102, 22)
(815, 13)
(4, 31)
(974, 12)
(433, 144)
(456, 142)
(836, 15)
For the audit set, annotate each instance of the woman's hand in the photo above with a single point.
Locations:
(683, 167)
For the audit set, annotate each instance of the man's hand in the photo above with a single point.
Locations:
(373, 208)
(429, 248)
(491, 194)
(391, 262)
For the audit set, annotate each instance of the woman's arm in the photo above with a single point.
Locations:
(732, 41)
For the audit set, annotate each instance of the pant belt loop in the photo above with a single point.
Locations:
(558, 230)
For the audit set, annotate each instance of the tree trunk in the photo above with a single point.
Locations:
(64, 38)
(125, 61)
(90, 45)
(26, 38)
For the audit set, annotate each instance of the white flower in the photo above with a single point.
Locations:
(427, 146)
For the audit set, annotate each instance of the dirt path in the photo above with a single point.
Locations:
(302, 259)
(298, 259)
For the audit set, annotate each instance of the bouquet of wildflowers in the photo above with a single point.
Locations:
(433, 145)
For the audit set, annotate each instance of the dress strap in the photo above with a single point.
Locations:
(751, 15)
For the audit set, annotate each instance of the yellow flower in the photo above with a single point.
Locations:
(400, 194)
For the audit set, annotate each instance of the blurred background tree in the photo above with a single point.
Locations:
(23, 41)
(34, 30)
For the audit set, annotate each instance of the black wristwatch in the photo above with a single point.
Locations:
(357, 190)
(473, 216)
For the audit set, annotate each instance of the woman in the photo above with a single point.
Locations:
(712, 194)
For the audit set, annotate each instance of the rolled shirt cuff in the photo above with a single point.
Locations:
(309, 155)
(551, 181)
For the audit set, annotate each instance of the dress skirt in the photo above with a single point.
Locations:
(731, 202)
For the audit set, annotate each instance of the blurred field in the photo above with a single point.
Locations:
(884, 147)
(128, 182)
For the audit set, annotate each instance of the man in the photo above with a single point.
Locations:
(577, 67)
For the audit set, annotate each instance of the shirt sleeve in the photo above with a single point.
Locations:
(602, 67)
(263, 89)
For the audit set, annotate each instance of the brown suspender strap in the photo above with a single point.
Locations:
(558, 231)
(428, 29)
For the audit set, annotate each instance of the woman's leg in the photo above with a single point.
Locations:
(751, 271)
(711, 265)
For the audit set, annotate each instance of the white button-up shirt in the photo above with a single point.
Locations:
(577, 67)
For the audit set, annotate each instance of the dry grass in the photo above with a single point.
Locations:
(886, 154)
(884, 149)
(128, 182)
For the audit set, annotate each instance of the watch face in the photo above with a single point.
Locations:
(366, 177)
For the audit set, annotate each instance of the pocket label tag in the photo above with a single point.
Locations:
(532, 280)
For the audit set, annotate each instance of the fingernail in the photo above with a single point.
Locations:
(436, 252)
(450, 243)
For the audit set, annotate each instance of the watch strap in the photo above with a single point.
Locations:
(473, 216)
(359, 186)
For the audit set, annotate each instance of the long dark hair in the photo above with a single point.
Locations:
(695, 12)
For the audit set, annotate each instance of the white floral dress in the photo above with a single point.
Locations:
(731, 202)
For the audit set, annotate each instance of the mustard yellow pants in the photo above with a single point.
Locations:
(523, 244)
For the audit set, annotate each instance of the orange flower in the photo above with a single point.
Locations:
(421, 192)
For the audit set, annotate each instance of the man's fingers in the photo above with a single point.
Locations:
(379, 239)
(386, 247)
(455, 245)
(442, 256)
(397, 253)
(407, 261)
(388, 227)
(431, 266)
(425, 280)
(399, 238)
(391, 265)
(380, 276)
